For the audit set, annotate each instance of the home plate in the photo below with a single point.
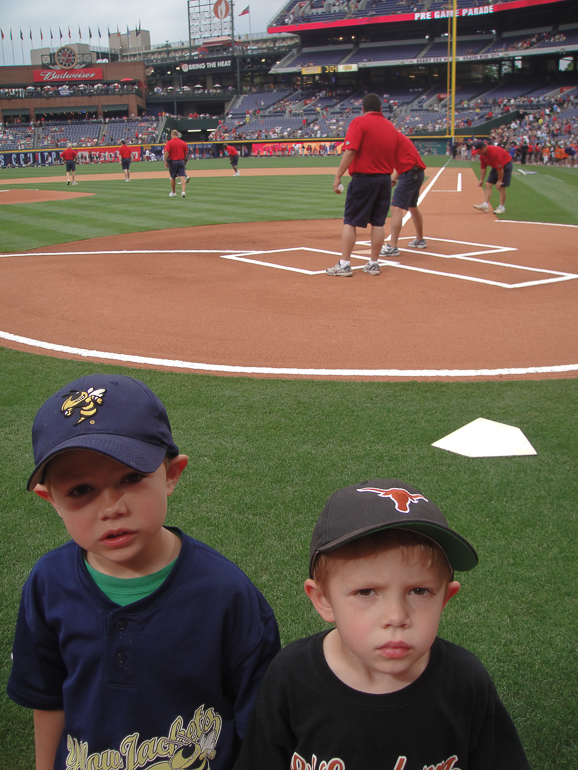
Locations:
(486, 438)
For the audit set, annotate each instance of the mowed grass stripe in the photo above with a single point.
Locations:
(145, 205)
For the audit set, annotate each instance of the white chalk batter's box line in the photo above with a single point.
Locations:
(472, 256)
(249, 257)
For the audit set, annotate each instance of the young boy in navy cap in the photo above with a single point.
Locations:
(381, 689)
(136, 645)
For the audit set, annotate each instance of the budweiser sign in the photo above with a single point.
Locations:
(61, 76)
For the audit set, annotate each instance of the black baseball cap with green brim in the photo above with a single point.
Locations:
(361, 509)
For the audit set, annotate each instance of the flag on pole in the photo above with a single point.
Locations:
(69, 35)
(1, 33)
(60, 32)
(10, 33)
(21, 35)
(99, 35)
(89, 34)
(51, 35)
(117, 31)
(79, 33)
(30, 33)
(246, 11)
(138, 29)
(41, 35)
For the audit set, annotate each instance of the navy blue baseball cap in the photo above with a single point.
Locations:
(114, 415)
(360, 509)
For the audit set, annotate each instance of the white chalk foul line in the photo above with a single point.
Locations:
(124, 251)
(522, 222)
(176, 364)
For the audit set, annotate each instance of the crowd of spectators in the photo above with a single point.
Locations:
(531, 41)
(73, 89)
(549, 122)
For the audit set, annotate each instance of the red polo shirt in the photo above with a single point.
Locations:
(231, 151)
(176, 149)
(407, 156)
(374, 140)
(496, 157)
(125, 151)
(68, 154)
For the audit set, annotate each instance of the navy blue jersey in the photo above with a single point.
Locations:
(168, 680)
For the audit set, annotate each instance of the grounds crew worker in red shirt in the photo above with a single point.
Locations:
(233, 154)
(370, 147)
(69, 156)
(175, 157)
(501, 164)
(125, 155)
(407, 178)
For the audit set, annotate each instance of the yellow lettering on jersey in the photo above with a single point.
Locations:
(198, 741)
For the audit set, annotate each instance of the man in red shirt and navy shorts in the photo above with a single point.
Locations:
(125, 156)
(500, 161)
(407, 178)
(69, 157)
(233, 154)
(175, 157)
(369, 154)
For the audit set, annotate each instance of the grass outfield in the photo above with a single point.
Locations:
(265, 455)
(549, 196)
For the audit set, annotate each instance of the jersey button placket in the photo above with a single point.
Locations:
(121, 644)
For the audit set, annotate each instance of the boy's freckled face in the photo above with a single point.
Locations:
(387, 610)
(112, 511)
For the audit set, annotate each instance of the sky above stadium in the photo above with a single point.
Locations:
(166, 20)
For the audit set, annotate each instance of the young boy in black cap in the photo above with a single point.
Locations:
(381, 690)
(135, 645)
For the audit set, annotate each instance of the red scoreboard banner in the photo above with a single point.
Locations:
(64, 76)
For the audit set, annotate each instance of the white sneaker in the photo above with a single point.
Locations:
(389, 251)
(481, 206)
(183, 195)
(172, 195)
(500, 210)
(237, 173)
(337, 269)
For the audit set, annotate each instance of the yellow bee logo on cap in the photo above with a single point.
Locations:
(86, 401)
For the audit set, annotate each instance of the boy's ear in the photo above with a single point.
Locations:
(42, 491)
(319, 600)
(174, 469)
(452, 590)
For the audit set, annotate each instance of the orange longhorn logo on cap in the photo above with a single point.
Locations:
(401, 497)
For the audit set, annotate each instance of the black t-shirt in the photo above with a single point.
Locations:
(450, 718)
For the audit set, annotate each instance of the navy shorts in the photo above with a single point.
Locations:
(177, 168)
(493, 177)
(406, 191)
(71, 165)
(125, 163)
(368, 197)
(234, 160)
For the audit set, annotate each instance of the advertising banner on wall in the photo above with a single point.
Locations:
(208, 65)
(67, 76)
